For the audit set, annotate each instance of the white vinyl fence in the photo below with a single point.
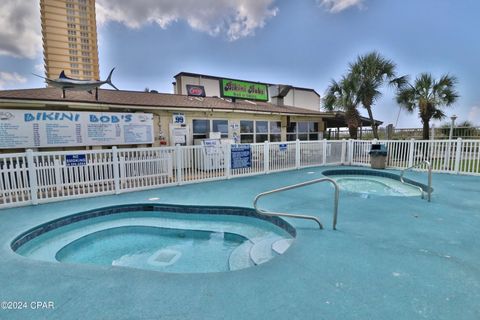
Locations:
(39, 177)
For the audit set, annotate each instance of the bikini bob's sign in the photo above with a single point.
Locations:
(243, 90)
(37, 128)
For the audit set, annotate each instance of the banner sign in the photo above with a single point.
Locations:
(243, 90)
(37, 129)
(195, 91)
(282, 147)
(74, 160)
(241, 156)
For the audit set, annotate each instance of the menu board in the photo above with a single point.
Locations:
(241, 156)
(37, 129)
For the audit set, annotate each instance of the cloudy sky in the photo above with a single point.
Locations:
(304, 43)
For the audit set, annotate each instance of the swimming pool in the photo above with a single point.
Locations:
(390, 258)
(178, 239)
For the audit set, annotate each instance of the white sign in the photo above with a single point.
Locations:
(36, 129)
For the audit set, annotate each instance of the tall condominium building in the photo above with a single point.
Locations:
(69, 32)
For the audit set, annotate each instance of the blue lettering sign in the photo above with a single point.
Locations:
(73, 160)
(241, 156)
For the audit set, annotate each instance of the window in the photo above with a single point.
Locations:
(87, 66)
(201, 128)
(70, 12)
(84, 34)
(220, 126)
(72, 45)
(260, 131)
(71, 25)
(85, 47)
(73, 71)
(70, 5)
(73, 52)
(70, 19)
(72, 39)
(275, 131)
(73, 65)
(73, 59)
(87, 73)
(72, 32)
(84, 40)
(86, 60)
(302, 131)
(246, 131)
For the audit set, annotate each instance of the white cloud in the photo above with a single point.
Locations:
(234, 19)
(9, 80)
(474, 115)
(335, 6)
(20, 34)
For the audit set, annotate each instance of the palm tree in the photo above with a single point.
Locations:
(428, 96)
(373, 71)
(343, 96)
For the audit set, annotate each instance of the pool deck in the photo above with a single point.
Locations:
(391, 258)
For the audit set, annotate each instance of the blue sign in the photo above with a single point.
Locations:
(282, 147)
(241, 156)
(75, 160)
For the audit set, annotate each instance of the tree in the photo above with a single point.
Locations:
(343, 95)
(373, 71)
(428, 96)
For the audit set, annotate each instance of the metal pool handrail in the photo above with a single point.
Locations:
(429, 166)
(300, 216)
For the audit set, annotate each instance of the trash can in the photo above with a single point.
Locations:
(378, 156)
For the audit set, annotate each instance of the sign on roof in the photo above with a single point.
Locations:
(196, 91)
(243, 90)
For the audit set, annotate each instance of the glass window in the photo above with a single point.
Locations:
(303, 127)
(275, 137)
(261, 138)
(275, 127)
(200, 128)
(246, 126)
(292, 127)
(246, 138)
(261, 127)
(220, 126)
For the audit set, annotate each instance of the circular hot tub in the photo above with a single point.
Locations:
(372, 182)
(166, 238)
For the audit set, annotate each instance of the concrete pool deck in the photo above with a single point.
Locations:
(391, 258)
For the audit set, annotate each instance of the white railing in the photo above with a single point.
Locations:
(40, 177)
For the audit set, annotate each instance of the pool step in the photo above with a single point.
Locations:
(240, 257)
(280, 246)
(262, 251)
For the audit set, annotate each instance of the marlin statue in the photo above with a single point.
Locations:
(67, 83)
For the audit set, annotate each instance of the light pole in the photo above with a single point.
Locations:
(452, 125)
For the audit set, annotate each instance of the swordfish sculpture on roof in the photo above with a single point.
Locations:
(66, 83)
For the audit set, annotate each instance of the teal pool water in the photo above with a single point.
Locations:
(161, 241)
(151, 248)
(375, 185)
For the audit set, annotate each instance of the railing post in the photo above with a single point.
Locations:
(266, 157)
(32, 175)
(227, 160)
(178, 164)
(58, 181)
(324, 152)
(350, 151)
(298, 164)
(458, 154)
(411, 149)
(116, 173)
(344, 149)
